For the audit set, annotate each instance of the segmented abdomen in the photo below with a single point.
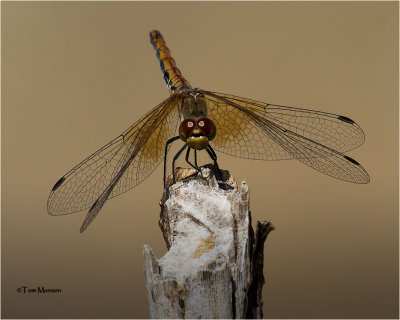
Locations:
(172, 75)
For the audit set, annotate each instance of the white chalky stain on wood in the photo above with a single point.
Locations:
(181, 286)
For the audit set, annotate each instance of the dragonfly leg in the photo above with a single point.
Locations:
(213, 156)
(195, 158)
(165, 154)
(175, 158)
(187, 159)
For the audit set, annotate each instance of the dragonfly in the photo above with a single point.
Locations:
(209, 121)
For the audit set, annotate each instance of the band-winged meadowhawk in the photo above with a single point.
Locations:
(207, 120)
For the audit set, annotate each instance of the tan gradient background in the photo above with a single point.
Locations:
(75, 75)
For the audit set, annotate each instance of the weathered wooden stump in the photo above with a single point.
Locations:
(214, 264)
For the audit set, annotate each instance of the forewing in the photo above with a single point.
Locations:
(334, 131)
(133, 155)
(248, 131)
(238, 134)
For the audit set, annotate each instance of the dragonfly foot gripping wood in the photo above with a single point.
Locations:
(214, 264)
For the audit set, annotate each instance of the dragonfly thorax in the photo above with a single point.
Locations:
(193, 105)
(196, 128)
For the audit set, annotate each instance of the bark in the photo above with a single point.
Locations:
(214, 264)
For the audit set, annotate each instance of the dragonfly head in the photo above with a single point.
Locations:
(197, 132)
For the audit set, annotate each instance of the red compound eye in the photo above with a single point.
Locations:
(186, 128)
(207, 127)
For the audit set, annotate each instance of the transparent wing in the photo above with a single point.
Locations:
(250, 129)
(332, 130)
(238, 134)
(118, 166)
(318, 156)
